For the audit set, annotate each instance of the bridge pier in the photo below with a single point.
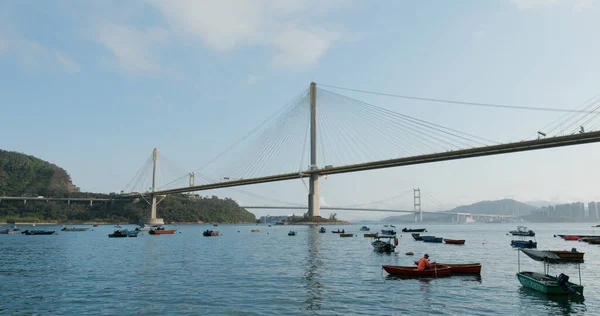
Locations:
(153, 220)
(313, 194)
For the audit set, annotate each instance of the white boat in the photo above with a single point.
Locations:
(143, 227)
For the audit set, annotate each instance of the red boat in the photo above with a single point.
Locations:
(435, 271)
(162, 232)
(474, 268)
(454, 241)
(569, 237)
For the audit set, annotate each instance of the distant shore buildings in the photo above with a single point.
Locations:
(570, 211)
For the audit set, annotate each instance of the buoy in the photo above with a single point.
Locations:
(410, 253)
(396, 241)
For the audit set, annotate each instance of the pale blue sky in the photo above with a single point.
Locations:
(93, 86)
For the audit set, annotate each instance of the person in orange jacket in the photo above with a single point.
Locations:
(424, 263)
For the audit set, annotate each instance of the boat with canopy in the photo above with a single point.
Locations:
(544, 282)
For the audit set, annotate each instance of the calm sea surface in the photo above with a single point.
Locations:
(271, 273)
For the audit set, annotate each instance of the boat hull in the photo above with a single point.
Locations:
(74, 229)
(162, 232)
(415, 230)
(523, 244)
(455, 241)
(545, 283)
(569, 255)
(435, 271)
(465, 268)
(346, 235)
(39, 232)
(432, 239)
(371, 235)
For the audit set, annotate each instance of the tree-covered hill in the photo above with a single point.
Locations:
(24, 175)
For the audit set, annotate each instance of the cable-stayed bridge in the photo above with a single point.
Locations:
(351, 136)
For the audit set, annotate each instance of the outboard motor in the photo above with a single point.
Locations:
(563, 281)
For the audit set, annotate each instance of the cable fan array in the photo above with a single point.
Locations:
(585, 117)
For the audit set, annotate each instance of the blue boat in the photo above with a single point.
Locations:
(523, 243)
(432, 239)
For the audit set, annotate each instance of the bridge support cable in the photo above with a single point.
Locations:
(557, 127)
(141, 178)
(367, 130)
(397, 196)
(144, 168)
(451, 134)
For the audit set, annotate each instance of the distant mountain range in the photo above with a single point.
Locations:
(499, 207)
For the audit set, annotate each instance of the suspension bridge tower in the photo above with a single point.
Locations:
(313, 194)
(153, 220)
(417, 205)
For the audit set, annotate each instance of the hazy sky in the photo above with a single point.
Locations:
(94, 86)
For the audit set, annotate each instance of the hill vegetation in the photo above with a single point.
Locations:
(498, 207)
(24, 175)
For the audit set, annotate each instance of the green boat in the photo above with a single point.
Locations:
(544, 282)
(547, 284)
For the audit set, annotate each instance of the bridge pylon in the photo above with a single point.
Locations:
(153, 220)
(313, 194)
(417, 205)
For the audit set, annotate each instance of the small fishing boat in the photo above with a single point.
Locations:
(215, 224)
(322, 230)
(346, 235)
(454, 241)
(95, 225)
(338, 231)
(522, 231)
(432, 239)
(523, 243)
(255, 230)
(291, 233)
(386, 245)
(160, 230)
(74, 229)
(417, 236)
(371, 234)
(209, 233)
(435, 271)
(388, 232)
(365, 228)
(123, 233)
(38, 232)
(545, 283)
(413, 230)
(13, 231)
(571, 237)
(143, 227)
(594, 241)
(573, 255)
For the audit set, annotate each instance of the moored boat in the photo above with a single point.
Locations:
(160, 230)
(385, 246)
(291, 233)
(388, 232)
(522, 231)
(432, 239)
(523, 244)
(209, 233)
(255, 230)
(435, 271)
(573, 255)
(124, 233)
(338, 231)
(38, 232)
(371, 235)
(365, 228)
(322, 230)
(346, 235)
(413, 230)
(417, 236)
(143, 227)
(549, 284)
(74, 229)
(454, 241)
(13, 231)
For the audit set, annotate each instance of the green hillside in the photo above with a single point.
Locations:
(24, 175)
